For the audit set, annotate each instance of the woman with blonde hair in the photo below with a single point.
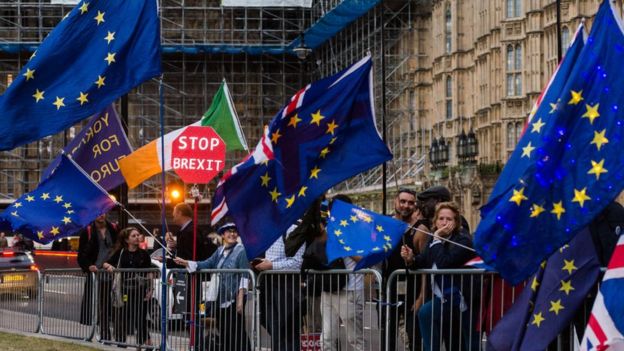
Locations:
(444, 317)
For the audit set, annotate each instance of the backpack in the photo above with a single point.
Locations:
(315, 258)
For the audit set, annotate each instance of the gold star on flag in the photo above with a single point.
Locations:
(338, 232)
(537, 126)
(17, 204)
(30, 74)
(344, 223)
(376, 248)
(324, 152)
(99, 18)
(30, 198)
(534, 284)
(347, 248)
(54, 231)
(84, 8)
(317, 117)
(275, 136)
(353, 218)
(45, 196)
(58, 199)
(518, 196)
(67, 205)
(536, 210)
(342, 242)
(100, 81)
(387, 238)
(597, 168)
(82, 98)
(379, 228)
(554, 106)
(40, 234)
(599, 139)
(69, 211)
(59, 103)
(265, 179)
(331, 127)
(314, 172)
(556, 306)
(38, 95)
(302, 191)
(367, 219)
(577, 96)
(110, 58)
(580, 196)
(591, 112)
(274, 194)
(109, 37)
(290, 201)
(566, 286)
(294, 120)
(14, 213)
(526, 151)
(66, 220)
(564, 247)
(538, 319)
(558, 209)
(332, 140)
(568, 266)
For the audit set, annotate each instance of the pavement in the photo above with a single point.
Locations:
(91, 344)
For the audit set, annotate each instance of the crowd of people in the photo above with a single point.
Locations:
(436, 309)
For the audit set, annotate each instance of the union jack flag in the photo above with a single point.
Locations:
(606, 322)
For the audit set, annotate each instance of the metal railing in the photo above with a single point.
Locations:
(276, 310)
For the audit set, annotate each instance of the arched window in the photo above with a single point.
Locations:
(565, 39)
(449, 97)
(519, 126)
(514, 70)
(447, 30)
(511, 131)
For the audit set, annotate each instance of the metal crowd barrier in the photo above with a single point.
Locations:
(284, 310)
(66, 303)
(318, 310)
(20, 300)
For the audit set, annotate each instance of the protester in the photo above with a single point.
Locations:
(280, 310)
(94, 247)
(404, 210)
(4, 243)
(445, 316)
(135, 287)
(343, 304)
(232, 288)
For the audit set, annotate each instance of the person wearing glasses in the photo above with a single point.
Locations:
(232, 288)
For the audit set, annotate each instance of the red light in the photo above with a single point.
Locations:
(33, 267)
(8, 253)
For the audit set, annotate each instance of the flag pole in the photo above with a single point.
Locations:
(163, 220)
(384, 167)
(559, 43)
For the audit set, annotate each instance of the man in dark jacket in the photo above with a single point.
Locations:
(94, 247)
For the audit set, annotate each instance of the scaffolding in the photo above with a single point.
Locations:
(204, 43)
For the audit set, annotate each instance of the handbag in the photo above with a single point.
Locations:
(116, 294)
(213, 287)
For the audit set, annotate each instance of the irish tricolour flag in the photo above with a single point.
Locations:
(221, 116)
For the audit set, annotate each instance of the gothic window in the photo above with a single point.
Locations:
(565, 39)
(514, 8)
(514, 70)
(449, 98)
(447, 30)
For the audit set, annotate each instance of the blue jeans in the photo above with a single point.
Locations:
(444, 321)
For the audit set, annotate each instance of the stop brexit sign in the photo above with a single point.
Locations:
(198, 154)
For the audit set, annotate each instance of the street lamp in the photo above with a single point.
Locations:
(444, 151)
(462, 146)
(472, 145)
(434, 153)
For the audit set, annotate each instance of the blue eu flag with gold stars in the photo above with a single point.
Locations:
(354, 231)
(572, 163)
(550, 300)
(61, 205)
(324, 135)
(98, 52)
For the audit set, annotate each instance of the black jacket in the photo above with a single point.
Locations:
(184, 249)
(88, 244)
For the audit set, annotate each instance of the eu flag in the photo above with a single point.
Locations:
(98, 52)
(548, 103)
(572, 165)
(61, 205)
(550, 300)
(324, 135)
(354, 231)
